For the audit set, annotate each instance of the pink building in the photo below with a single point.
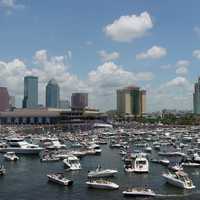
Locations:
(4, 99)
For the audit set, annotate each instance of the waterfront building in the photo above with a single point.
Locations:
(30, 92)
(52, 94)
(64, 104)
(196, 97)
(131, 101)
(79, 100)
(4, 99)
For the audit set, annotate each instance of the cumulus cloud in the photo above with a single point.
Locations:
(182, 67)
(10, 5)
(196, 54)
(154, 52)
(105, 57)
(128, 28)
(178, 82)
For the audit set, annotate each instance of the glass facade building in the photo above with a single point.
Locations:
(196, 97)
(30, 92)
(52, 94)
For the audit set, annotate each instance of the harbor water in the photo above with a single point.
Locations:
(26, 180)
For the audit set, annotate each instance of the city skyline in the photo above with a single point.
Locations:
(87, 52)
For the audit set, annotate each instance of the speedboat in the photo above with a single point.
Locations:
(141, 164)
(102, 184)
(98, 173)
(72, 163)
(59, 179)
(142, 192)
(11, 156)
(179, 179)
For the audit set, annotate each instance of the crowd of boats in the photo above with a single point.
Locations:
(174, 148)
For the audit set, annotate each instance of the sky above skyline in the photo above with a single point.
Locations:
(100, 46)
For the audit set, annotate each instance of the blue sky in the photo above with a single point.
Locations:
(75, 31)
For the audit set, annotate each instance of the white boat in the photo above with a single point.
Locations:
(179, 179)
(22, 147)
(176, 167)
(98, 173)
(142, 192)
(190, 164)
(72, 163)
(128, 165)
(102, 184)
(59, 179)
(11, 156)
(141, 164)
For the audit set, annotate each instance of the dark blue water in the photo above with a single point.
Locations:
(26, 180)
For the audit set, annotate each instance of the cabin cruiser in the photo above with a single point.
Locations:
(142, 192)
(22, 147)
(102, 184)
(95, 147)
(128, 165)
(59, 179)
(72, 163)
(53, 143)
(179, 179)
(11, 156)
(141, 164)
(98, 173)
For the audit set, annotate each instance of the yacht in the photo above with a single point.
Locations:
(11, 156)
(72, 163)
(59, 179)
(141, 164)
(128, 165)
(102, 184)
(22, 147)
(98, 173)
(179, 179)
(142, 192)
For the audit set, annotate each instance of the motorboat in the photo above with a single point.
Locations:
(2, 170)
(176, 167)
(102, 184)
(141, 164)
(142, 192)
(179, 179)
(99, 173)
(11, 156)
(59, 178)
(190, 164)
(49, 158)
(22, 147)
(72, 163)
(128, 165)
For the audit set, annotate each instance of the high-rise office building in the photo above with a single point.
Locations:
(196, 97)
(11, 102)
(30, 92)
(4, 99)
(79, 100)
(52, 94)
(131, 100)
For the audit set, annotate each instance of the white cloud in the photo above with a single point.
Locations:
(196, 53)
(182, 71)
(197, 30)
(128, 28)
(105, 57)
(178, 82)
(10, 5)
(155, 52)
(183, 63)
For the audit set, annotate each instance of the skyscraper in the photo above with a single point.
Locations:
(131, 100)
(30, 92)
(52, 94)
(79, 100)
(196, 97)
(4, 99)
